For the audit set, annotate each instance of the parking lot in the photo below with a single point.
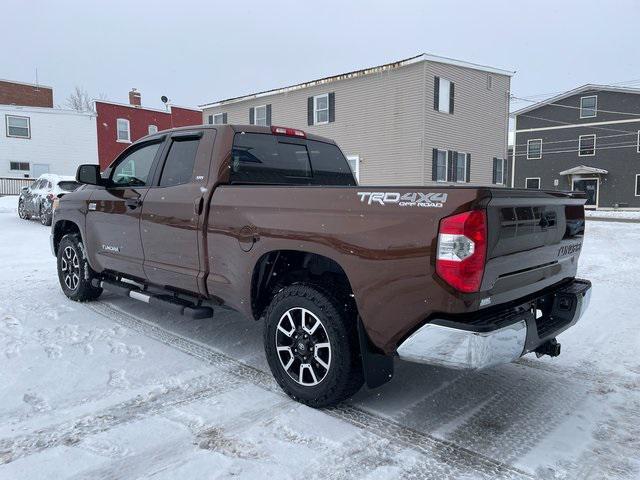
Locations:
(116, 389)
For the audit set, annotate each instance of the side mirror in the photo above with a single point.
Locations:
(89, 174)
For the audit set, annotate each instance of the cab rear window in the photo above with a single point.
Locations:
(278, 160)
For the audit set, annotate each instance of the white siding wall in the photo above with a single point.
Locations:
(63, 139)
(387, 118)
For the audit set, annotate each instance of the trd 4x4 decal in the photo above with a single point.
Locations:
(411, 199)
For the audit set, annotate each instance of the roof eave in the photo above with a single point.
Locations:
(424, 57)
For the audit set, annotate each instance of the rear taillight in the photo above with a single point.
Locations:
(291, 132)
(462, 250)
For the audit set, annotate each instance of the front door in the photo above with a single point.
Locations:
(590, 187)
(113, 216)
(171, 215)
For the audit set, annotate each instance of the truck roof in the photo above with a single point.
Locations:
(243, 128)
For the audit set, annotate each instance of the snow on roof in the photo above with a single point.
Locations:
(575, 91)
(47, 110)
(140, 107)
(424, 57)
(583, 169)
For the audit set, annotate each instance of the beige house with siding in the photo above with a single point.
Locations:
(417, 121)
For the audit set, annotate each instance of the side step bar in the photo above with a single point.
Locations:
(167, 302)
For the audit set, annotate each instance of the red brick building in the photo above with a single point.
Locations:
(25, 94)
(121, 124)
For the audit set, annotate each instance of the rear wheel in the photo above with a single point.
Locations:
(74, 272)
(311, 345)
(22, 210)
(45, 218)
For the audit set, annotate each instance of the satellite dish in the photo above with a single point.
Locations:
(164, 99)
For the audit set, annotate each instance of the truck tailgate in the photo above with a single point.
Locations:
(534, 240)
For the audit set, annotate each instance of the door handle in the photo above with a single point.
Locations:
(133, 203)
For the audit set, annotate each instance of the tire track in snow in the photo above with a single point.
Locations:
(444, 451)
(70, 433)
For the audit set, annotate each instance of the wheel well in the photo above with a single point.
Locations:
(61, 229)
(278, 269)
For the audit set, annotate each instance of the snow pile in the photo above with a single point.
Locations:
(625, 214)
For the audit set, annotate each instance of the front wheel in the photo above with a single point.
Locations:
(311, 345)
(74, 272)
(22, 210)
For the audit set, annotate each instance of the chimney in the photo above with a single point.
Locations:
(134, 98)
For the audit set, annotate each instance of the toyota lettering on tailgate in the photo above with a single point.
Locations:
(411, 199)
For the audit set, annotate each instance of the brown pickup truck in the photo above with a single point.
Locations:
(270, 221)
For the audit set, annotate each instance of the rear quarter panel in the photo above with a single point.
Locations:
(385, 250)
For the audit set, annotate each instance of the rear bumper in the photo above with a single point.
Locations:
(493, 338)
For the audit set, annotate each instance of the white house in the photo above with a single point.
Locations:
(38, 140)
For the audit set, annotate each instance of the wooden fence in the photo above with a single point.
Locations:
(13, 186)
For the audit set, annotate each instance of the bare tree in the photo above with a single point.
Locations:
(80, 100)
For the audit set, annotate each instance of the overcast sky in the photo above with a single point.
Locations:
(199, 52)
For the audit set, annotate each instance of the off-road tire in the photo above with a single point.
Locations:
(22, 212)
(344, 376)
(80, 289)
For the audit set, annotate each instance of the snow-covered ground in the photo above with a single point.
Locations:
(614, 214)
(116, 389)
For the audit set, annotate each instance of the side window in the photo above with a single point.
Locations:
(178, 168)
(133, 169)
(262, 159)
(329, 165)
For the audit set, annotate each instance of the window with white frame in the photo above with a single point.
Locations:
(498, 171)
(153, 129)
(123, 132)
(532, 183)
(354, 164)
(586, 145)
(18, 127)
(534, 149)
(638, 185)
(321, 109)
(588, 106)
(444, 95)
(19, 166)
(441, 166)
(461, 167)
(260, 113)
(218, 118)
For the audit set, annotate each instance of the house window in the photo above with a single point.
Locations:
(533, 183)
(153, 129)
(218, 118)
(489, 81)
(260, 113)
(498, 171)
(638, 144)
(534, 149)
(444, 95)
(354, 164)
(19, 166)
(18, 127)
(441, 166)
(638, 185)
(123, 134)
(587, 145)
(321, 109)
(461, 168)
(588, 106)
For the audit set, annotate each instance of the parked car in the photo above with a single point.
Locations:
(271, 222)
(37, 199)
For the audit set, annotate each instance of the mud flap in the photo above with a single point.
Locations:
(377, 368)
